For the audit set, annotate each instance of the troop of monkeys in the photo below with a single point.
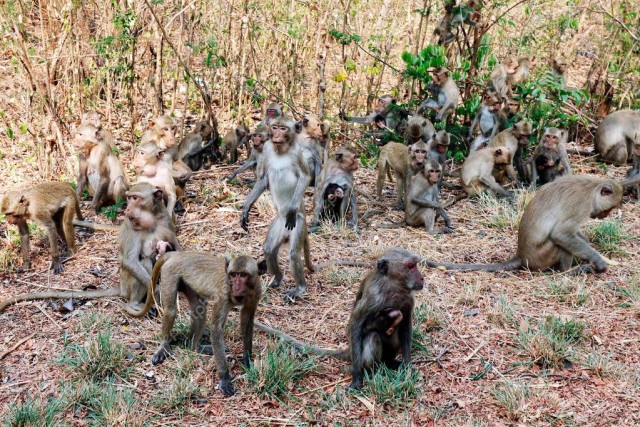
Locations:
(287, 157)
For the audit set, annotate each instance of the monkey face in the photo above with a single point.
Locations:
(442, 148)
(239, 286)
(14, 207)
(419, 157)
(257, 140)
(164, 128)
(86, 136)
(145, 155)
(334, 194)
(91, 118)
(433, 176)
(281, 136)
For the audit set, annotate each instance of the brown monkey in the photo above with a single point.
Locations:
(377, 332)
(99, 169)
(385, 115)
(418, 128)
(549, 233)
(487, 120)
(256, 160)
(554, 147)
(286, 175)
(559, 70)
(52, 204)
(235, 139)
(478, 171)
(515, 139)
(92, 118)
(335, 193)
(422, 205)
(146, 233)
(633, 178)
(155, 167)
(446, 92)
(617, 135)
(309, 136)
(520, 71)
(469, 13)
(195, 145)
(162, 133)
(438, 148)
(203, 278)
(444, 28)
(404, 161)
(547, 168)
(505, 77)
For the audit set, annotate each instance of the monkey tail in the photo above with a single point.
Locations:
(94, 226)
(299, 345)
(341, 263)
(78, 212)
(113, 292)
(512, 264)
(307, 254)
(454, 201)
(155, 274)
(393, 224)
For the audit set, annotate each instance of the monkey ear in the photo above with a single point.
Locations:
(24, 201)
(383, 266)
(498, 152)
(158, 196)
(324, 128)
(226, 264)
(262, 267)
(305, 122)
(160, 154)
(151, 123)
(606, 190)
(298, 127)
(338, 157)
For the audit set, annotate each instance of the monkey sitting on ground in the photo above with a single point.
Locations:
(155, 167)
(146, 233)
(478, 171)
(311, 137)
(335, 193)
(235, 139)
(202, 278)
(92, 118)
(547, 168)
(52, 204)
(445, 92)
(195, 145)
(162, 133)
(616, 136)
(99, 169)
(258, 138)
(286, 175)
(486, 119)
(380, 321)
(438, 148)
(422, 205)
(549, 233)
(418, 128)
(516, 140)
(386, 115)
(554, 147)
(405, 162)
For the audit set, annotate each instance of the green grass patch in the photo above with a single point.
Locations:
(425, 320)
(396, 388)
(512, 397)
(552, 342)
(568, 289)
(108, 403)
(607, 236)
(36, 413)
(504, 312)
(176, 397)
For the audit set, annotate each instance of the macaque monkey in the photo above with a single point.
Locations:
(310, 133)
(272, 112)
(559, 70)
(422, 205)
(446, 92)
(162, 133)
(617, 135)
(438, 148)
(201, 277)
(53, 205)
(547, 168)
(405, 162)
(444, 28)
(92, 118)
(549, 233)
(633, 179)
(155, 167)
(256, 159)
(553, 146)
(515, 139)
(478, 171)
(195, 145)
(385, 115)
(509, 110)
(99, 169)
(505, 77)
(469, 13)
(486, 119)
(145, 234)
(418, 128)
(335, 193)
(286, 175)
(520, 70)
(234, 139)
(380, 321)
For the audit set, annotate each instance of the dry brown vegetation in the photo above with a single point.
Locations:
(492, 349)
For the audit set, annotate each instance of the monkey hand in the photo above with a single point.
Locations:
(291, 218)
(244, 221)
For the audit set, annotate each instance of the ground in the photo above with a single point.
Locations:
(481, 339)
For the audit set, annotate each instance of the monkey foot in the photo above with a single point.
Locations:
(275, 282)
(295, 294)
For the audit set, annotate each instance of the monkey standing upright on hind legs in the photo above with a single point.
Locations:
(203, 278)
(380, 322)
(286, 175)
(146, 232)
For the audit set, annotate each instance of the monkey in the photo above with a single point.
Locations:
(377, 332)
(405, 162)
(477, 171)
(155, 167)
(309, 136)
(273, 112)
(146, 233)
(162, 132)
(234, 139)
(505, 77)
(515, 139)
(633, 178)
(256, 160)
(553, 146)
(418, 128)
(520, 71)
(385, 115)
(286, 175)
(507, 113)
(559, 70)
(52, 204)
(547, 168)
(549, 233)
(92, 118)
(336, 193)
(617, 135)
(195, 145)
(469, 13)
(438, 148)
(99, 169)
(487, 120)
(202, 278)
(444, 28)
(422, 206)
(445, 91)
